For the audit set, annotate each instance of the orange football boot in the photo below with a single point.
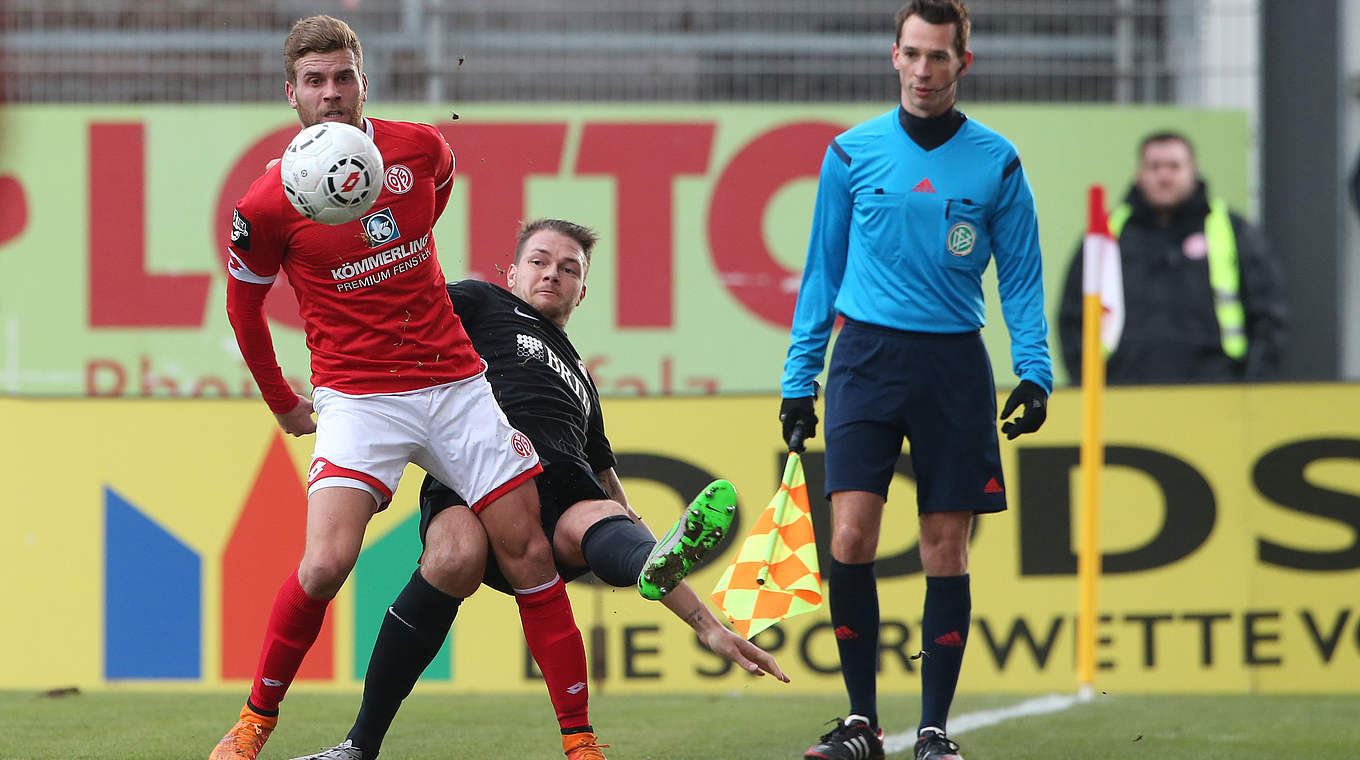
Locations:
(582, 746)
(245, 739)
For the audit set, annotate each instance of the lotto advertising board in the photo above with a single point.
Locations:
(121, 215)
(145, 541)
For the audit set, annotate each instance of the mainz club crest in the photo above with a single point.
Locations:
(522, 445)
(398, 178)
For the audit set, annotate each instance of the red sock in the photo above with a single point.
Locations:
(294, 623)
(555, 642)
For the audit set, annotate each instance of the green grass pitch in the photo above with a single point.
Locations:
(173, 726)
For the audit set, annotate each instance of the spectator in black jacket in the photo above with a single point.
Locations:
(1202, 295)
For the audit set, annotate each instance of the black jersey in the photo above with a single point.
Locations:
(536, 375)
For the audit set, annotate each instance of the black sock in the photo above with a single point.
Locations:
(616, 548)
(854, 616)
(412, 632)
(944, 632)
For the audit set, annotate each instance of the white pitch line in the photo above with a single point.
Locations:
(969, 721)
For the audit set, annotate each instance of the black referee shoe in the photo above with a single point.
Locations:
(851, 739)
(933, 745)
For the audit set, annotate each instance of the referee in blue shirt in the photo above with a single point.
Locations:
(911, 205)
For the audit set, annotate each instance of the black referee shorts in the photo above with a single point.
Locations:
(933, 389)
(560, 485)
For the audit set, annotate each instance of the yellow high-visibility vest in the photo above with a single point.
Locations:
(1224, 277)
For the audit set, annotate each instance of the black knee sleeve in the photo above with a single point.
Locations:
(616, 548)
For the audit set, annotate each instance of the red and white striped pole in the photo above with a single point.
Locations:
(1099, 253)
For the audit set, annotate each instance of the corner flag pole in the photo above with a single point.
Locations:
(1092, 447)
(790, 464)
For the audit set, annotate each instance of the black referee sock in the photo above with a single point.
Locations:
(616, 548)
(944, 632)
(854, 616)
(412, 632)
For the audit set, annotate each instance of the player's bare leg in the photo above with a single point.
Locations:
(525, 558)
(336, 519)
(576, 522)
(454, 559)
(414, 628)
(612, 541)
(516, 534)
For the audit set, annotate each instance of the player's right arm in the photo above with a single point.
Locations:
(252, 266)
(441, 160)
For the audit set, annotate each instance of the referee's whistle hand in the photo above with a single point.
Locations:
(1033, 403)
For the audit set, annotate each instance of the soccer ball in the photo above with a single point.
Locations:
(332, 172)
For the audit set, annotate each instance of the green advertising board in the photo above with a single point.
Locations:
(113, 222)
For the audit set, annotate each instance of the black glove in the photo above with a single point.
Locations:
(1035, 403)
(799, 416)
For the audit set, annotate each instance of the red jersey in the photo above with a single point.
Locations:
(370, 292)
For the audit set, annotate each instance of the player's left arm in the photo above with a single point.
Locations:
(719, 639)
(444, 170)
(613, 488)
(600, 454)
(1014, 230)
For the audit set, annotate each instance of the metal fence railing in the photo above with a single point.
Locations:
(1135, 51)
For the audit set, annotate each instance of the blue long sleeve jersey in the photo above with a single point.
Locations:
(901, 236)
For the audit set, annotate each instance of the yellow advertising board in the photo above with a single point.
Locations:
(146, 534)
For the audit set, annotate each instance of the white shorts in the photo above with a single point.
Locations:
(456, 432)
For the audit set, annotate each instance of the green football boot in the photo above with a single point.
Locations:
(703, 524)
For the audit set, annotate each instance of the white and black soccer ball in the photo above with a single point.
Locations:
(332, 172)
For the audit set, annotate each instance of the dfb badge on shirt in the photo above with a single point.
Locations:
(961, 239)
(380, 228)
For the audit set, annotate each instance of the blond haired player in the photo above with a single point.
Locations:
(397, 381)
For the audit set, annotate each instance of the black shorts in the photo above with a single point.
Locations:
(560, 486)
(933, 389)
